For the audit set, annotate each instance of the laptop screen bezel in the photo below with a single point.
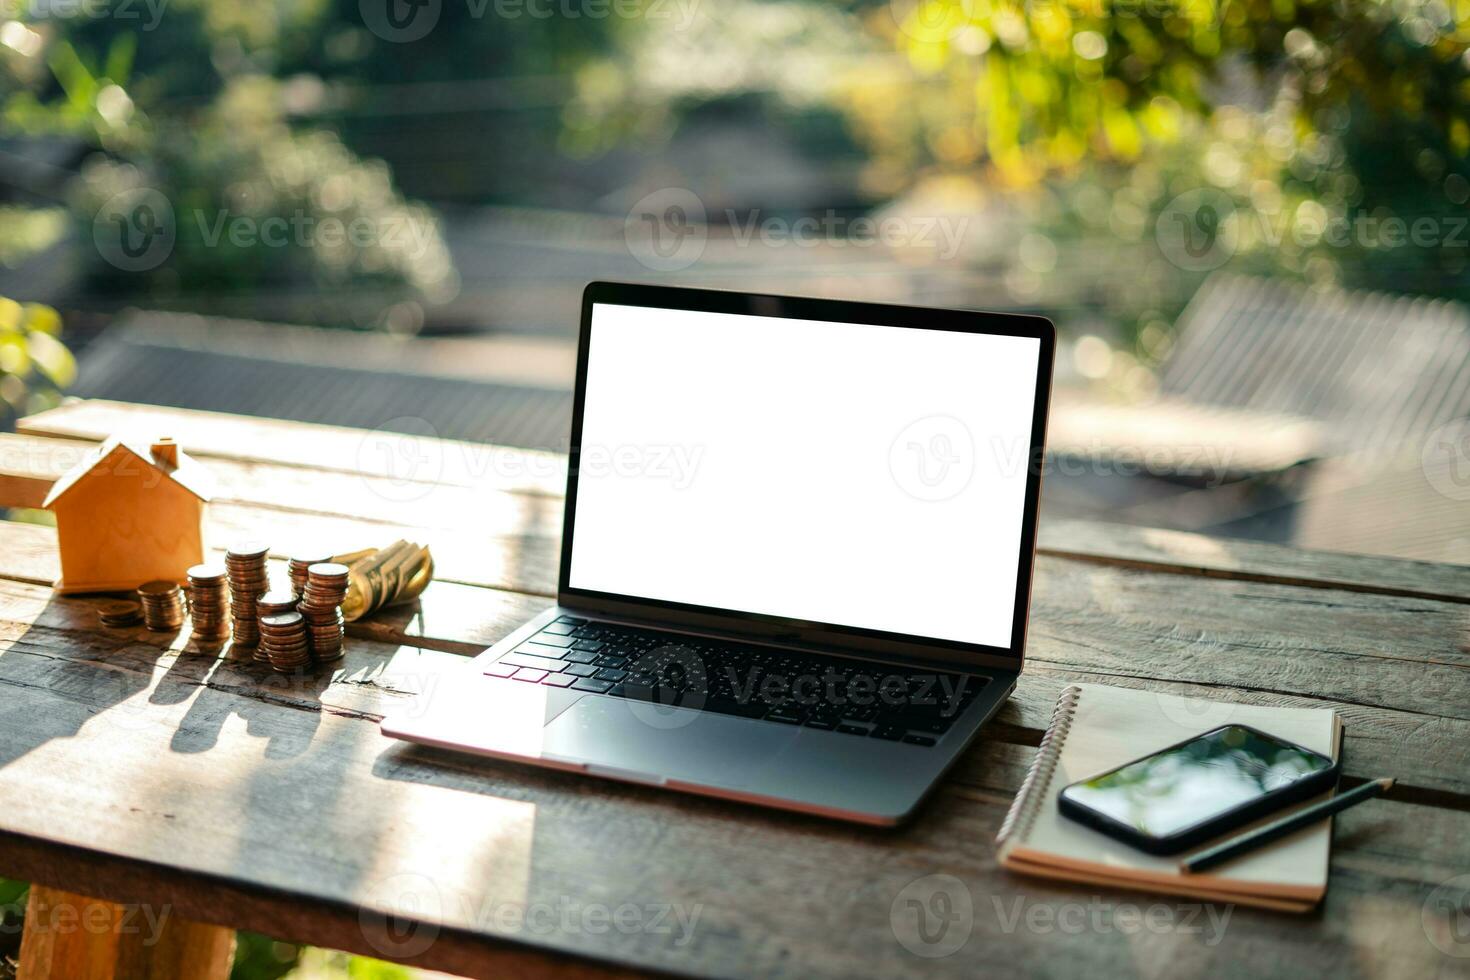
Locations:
(778, 629)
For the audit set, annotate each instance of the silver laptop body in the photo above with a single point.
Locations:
(796, 557)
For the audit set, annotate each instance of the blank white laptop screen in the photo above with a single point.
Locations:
(855, 475)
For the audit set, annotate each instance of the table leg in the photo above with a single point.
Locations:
(70, 936)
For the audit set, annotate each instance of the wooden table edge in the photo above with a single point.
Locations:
(220, 900)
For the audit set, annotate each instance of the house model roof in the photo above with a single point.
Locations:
(187, 473)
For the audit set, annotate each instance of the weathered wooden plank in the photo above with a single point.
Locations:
(28, 553)
(1396, 667)
(390, 496)
(69, 935)
(405, 459)
(158, 891)
(1178, 552)
(291, 814)
(1193, 615)
(1430, 756)
(273, 801)
(524, 564)
(30, 464)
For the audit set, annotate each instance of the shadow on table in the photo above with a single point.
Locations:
(57, 679)
(230, 683)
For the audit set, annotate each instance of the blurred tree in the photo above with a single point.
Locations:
(34, 364)
(198, 188)
(12, 914)
(259, 957)
(1313, 134)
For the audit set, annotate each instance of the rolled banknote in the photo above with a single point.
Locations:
(385, 577)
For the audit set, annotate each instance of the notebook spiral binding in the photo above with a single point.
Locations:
(1033, 787)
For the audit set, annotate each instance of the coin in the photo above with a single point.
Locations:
(297, 568)
(209, 603)
(248, 550)
(246, 569)
(321, 607)
(207, 574)
(275, 602)
(283, 638)
(162, 605)
(120, 613)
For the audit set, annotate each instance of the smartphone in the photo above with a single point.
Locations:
(1184, 795)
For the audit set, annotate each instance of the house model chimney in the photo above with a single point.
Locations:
(165, 452)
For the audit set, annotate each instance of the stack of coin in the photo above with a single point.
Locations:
(209, 603)
(120, 614)
(245, 564)
(273, 603)
(163, 607)
(321, 604)
(298, 565)
(283, 638)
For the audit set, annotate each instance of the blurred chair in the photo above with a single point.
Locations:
(1374, 388)
(1378, 371)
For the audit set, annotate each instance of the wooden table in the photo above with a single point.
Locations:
(135, 769)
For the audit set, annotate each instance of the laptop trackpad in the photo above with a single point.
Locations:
(664, 743)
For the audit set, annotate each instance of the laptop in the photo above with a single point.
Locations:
(796, 553)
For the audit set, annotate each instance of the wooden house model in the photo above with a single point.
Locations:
(129, 513)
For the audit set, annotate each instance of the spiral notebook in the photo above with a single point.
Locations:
(1094, 729)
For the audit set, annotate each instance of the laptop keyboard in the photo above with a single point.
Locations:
(785, 687)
